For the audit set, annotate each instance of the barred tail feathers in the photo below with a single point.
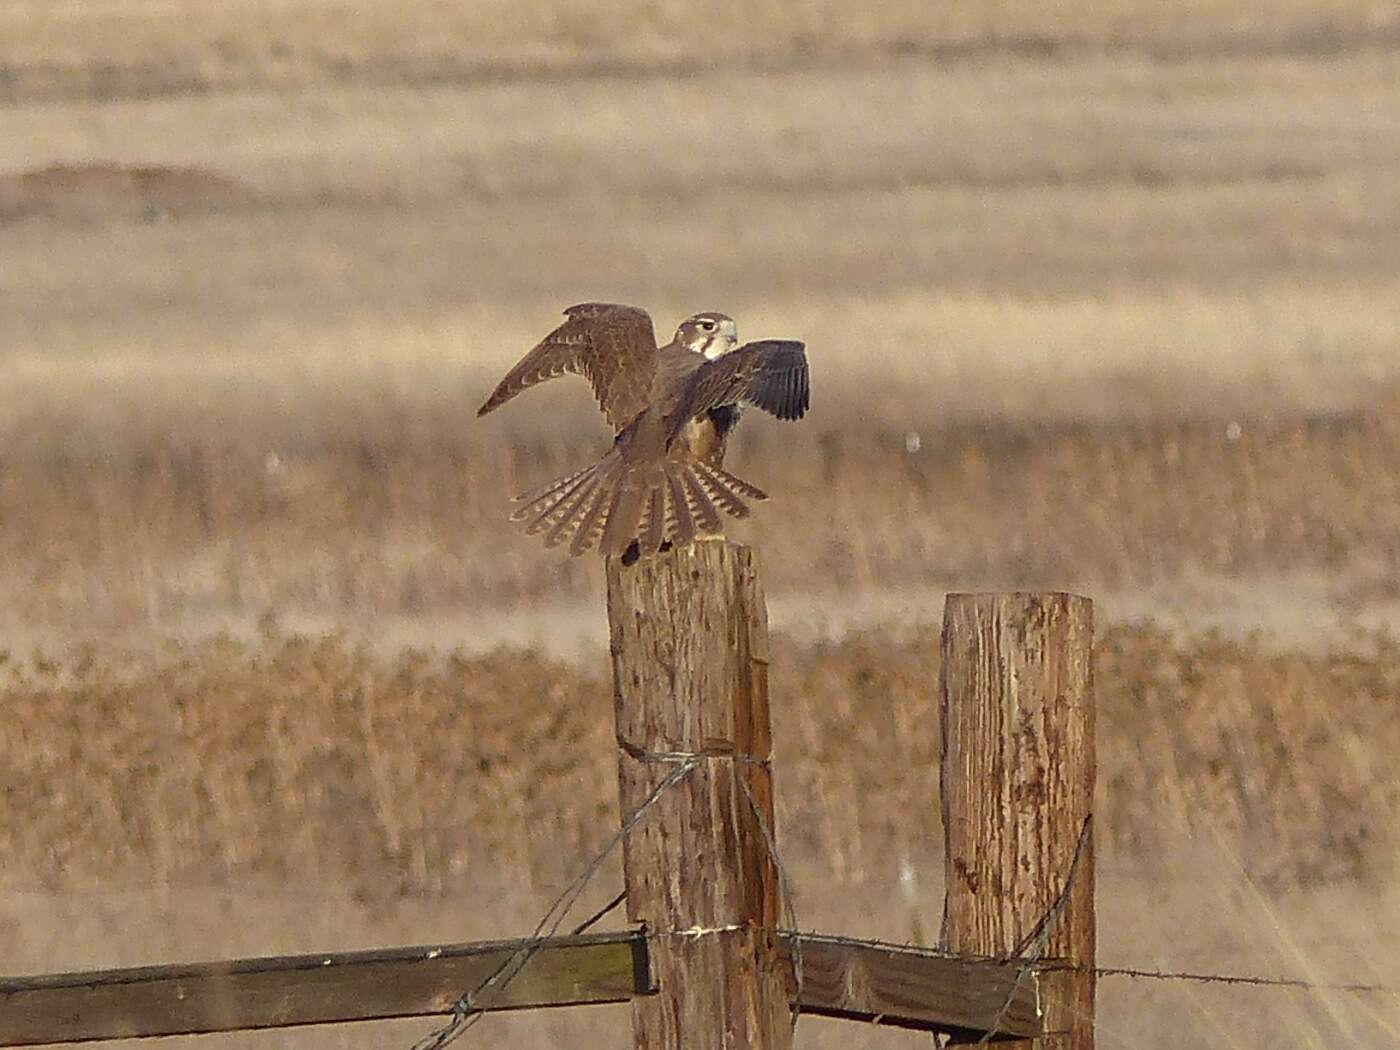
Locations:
(569, 509)
(545, 513)
(652, 531)
(542, 494)
(610, 503)
(631, 502)
(726, 490)
(541, 501)
(702, 507)
(680, 526)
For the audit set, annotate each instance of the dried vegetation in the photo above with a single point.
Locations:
(1100, 297)
(313, 760)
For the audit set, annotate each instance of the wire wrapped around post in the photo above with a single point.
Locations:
(689, 638)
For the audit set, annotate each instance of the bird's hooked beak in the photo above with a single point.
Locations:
(725, 340)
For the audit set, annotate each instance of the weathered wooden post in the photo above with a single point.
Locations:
(690, 675)
(1018, 791)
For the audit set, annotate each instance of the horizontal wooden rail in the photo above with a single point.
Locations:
(312, 989)
(911, 988)
(841, 978)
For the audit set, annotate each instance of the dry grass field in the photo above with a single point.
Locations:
(141, 48)
(1245, 806)
(1100, 297)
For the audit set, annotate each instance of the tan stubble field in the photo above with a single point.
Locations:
(1114, 310)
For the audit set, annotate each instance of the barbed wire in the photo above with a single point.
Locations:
(1028, 954)
(718, 751)
(466, 1011)
(728, 753)
(599, 915)
(785, 891)
(1229, 978)
(1054, 965)
(1032, 947)
(1044, 929)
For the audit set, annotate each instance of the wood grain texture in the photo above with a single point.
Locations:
(313, 989)
(866, 982)
(690, 671)
(910, 988)
(1018, 787)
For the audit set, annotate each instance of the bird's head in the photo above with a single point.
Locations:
(709, 333)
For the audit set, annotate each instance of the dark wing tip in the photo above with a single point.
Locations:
(770, 374)
(804, 391)
(795, 388)
(498, 397)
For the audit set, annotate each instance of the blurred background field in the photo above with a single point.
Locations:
(1100, 297)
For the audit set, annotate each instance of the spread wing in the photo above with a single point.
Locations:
(770, 374)
(612, 346)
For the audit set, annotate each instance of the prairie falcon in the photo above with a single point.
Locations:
(671, 409)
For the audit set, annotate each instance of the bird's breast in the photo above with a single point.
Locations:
(705, 437)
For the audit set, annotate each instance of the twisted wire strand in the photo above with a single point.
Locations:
(466, 1011)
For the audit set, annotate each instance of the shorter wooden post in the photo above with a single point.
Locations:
(690, 671)
(1018, 790)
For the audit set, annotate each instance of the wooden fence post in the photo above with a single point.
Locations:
(1018, 790)
(690, 676)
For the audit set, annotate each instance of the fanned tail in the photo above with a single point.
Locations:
(702, 506)
(686, 501)
(573, 509)
(680, 525)
(630, 504)
(726, 490)
(542, 500)
(611, 505)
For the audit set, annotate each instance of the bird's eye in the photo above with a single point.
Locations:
(707, 326)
